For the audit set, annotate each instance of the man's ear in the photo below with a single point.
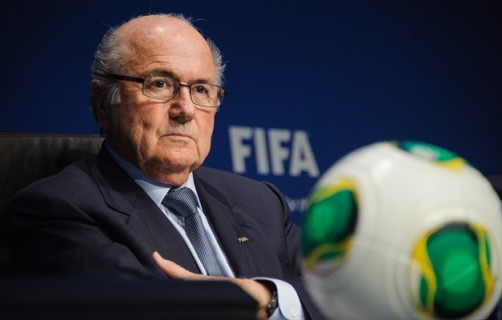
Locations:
(99, 109)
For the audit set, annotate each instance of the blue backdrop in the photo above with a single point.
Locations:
(309, 81)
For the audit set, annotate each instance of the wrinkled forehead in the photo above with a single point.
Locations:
(157, 36)
(161, 30)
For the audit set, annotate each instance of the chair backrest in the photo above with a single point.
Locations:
(27, 157)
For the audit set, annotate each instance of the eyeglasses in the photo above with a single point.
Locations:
(166, 88)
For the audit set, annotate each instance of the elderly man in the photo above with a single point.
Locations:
(144, 205)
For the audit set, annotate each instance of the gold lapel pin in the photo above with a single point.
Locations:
(243, 239)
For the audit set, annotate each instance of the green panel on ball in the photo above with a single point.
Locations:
(455, 264)
(432, 153)
(329, 223)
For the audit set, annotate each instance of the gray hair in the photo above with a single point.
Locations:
(108, 59)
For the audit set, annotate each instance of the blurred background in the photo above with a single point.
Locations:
(308, 81)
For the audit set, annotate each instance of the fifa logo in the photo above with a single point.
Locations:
(272, 148)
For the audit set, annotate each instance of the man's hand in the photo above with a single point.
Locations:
(255, 289)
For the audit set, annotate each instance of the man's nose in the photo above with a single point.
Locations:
(182, 104)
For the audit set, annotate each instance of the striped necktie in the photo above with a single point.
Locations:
(182, 202)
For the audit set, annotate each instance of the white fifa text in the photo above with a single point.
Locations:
(276, 151)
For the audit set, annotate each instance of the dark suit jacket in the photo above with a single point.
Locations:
(93, 219)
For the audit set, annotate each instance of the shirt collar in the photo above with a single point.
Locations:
(156, 190)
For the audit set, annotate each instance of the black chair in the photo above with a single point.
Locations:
(27, 157)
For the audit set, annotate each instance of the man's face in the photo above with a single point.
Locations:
(166, 140)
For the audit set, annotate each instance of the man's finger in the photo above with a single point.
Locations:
(174, 270)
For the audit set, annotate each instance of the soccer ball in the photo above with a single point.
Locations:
(403, 230)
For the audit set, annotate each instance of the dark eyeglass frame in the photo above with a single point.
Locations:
(221, 92)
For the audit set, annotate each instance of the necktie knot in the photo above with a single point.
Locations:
(181, 201)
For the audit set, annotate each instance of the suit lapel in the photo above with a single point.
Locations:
(225, 226)
(147, 226)
(147, 220)
(230, 226)
(146, 229)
